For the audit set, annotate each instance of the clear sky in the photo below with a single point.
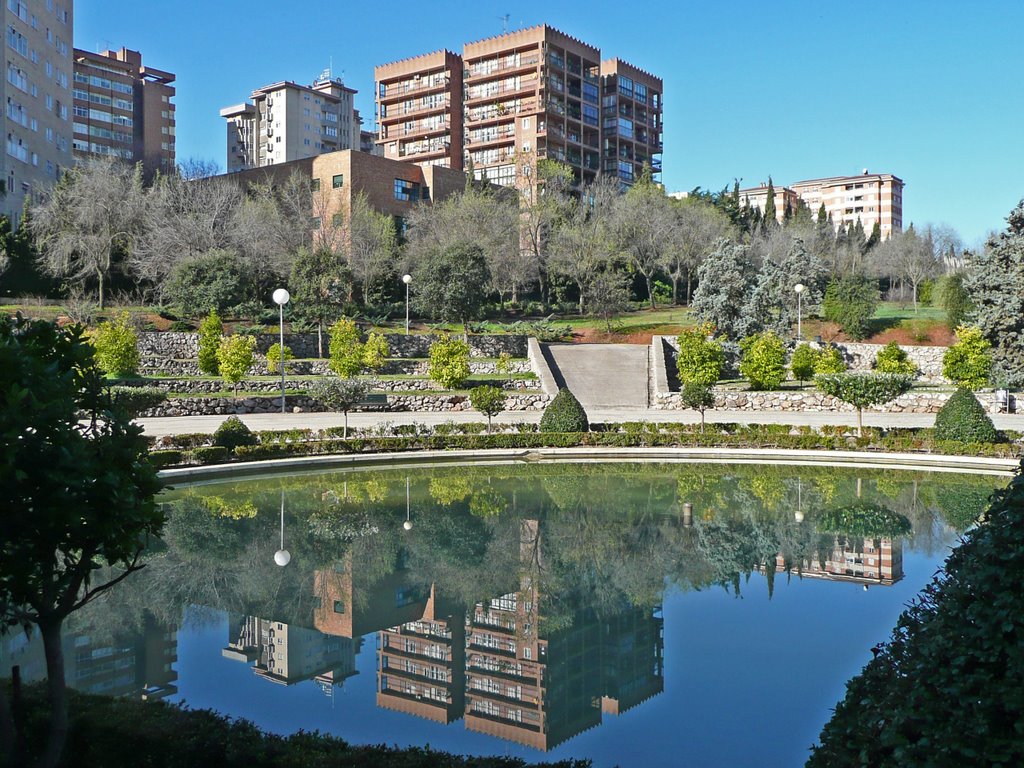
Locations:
(929, 90)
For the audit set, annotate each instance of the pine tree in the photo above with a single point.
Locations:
(823, 216)
(856, 236)
(875, 238)
(725, 282)
(769, 205)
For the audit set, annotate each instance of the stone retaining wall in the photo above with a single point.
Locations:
(197, 406)
(812, 400)
(156, 366)
(208, 386)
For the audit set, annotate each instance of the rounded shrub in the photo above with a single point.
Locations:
(830, 360)
(763, 362)
(210, 331)
(892, 359)
(803, 361)
(964, 419)
(564, 414)
(232, 433)
(116, 344)
(968, 363)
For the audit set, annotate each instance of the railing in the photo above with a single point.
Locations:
(416, 86)
(502, 66)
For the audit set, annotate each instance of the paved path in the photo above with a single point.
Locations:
(176, 425)
(602, 375)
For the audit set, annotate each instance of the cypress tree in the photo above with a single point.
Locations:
(875, 238)
(769, 205)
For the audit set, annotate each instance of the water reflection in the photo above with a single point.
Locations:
(524, 601)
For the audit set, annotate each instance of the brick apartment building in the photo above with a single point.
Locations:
(123, 109)
(510, 100)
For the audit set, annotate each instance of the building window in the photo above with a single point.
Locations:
(338, 181)
(339, 606)
(315, 185)
(407, 191)
(338, 219)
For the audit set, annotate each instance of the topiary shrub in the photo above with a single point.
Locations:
(488, 400)
(232, 433)
(830, 360)
(968, 363)
(892, 359)
(764, 360)
(963, 418)
(210, 331)
(116, 344)
(863, 390)
(210, 454)
(564, 414)
(449, 362)
(700, 358)
(131, 401)
(274, 355)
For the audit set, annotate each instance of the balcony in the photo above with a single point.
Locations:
(397, 91)
(502, 91)
(501, 112)
(494, 137)
(502, 67)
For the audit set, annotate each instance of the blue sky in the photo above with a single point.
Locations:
(928, 90)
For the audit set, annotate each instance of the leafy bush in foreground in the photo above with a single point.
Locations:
(948, 687)
(564, 414)
(962, 417)
(232, 433)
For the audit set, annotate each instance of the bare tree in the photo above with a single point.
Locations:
(371, 241)
(646, 228)
(911, 257)
(699, 226)
(88, 220)
(544, 187)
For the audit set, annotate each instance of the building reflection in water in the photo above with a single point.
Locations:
(865, 561)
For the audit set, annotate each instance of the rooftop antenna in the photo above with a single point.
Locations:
(504, 24)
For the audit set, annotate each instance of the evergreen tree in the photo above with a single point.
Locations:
(856, 236)
(773, 300)
(769, 205)
(725, 282)
(874, 239)
(994, 279)
(802, 215)
(823, 217)
(787, 213)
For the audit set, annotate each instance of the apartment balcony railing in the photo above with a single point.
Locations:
(397, 90)
(524, 62)
(415, 109)
(501, 112)
(492, 93)
(491, 138)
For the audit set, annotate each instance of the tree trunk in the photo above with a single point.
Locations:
(344, 434)
(99, 290)
(650, 293)
(702, 422)
(58, 693)
(320, 338)
(580, 286)
(675, 290)
(7, 739)
(488, 423)
(688, 284)
(860, 426)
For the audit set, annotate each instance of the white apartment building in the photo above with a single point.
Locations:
(37, 92)
(286, 121)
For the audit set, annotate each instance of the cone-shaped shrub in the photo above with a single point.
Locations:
(963, 418)
(564, 414)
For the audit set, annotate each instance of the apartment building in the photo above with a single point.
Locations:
(508, 101)
(123, 109)
(286, 121)
(783, 198)
(37, 91)
(852, 559)
(631, 115)
(419, 109)
(870, 197)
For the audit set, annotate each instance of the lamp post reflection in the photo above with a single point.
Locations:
(407, 525)
(282, 557)
(799, 514)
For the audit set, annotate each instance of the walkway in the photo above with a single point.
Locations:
(176, 425)
(602, 375)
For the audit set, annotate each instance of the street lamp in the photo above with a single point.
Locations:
(282, 557)
(406, 279)
(799, 288)
(281, 297)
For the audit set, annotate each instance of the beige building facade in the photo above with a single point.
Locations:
(870, 197)
(286, 121)
(123, 109)
(37, 91)
(757, 197)
(511, 100)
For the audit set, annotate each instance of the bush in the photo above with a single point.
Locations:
(375, 351)
(488, 400)
(863, 521)
(763, 362)
(116, 344)
(180, 326)
(863, 390)
(700, 359)
(212, 454)
(274, 357)
(214, 280)
(132, 401)
(564, 414)
(235, 356)
(954, 299)
(339, 394)
(210, 330)
(963, 418)
(165, 458)
(945, 689)
(698, 397)
(803, 362)
(346, 349)
(968, 363)
(449, 362)
(892, 359)
(850, 302)
(830, 360)
(233, 433)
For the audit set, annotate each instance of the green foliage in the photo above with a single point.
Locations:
(488, 400)
(700, 359)
(210, 330)
(564, 414)
(952, 296)
(725, 282)
(131, 401)
(863, 521)
(451, 283)
(211, 454)
(830, 360)
(892, 359)
(346, 349)
(803, 362)
(850, 302)
(504, 364)
(166, 458)
(945, 689)
(698, 397)
(375, 351)
(963, 418)
(863, 390)
(116, 344)
(449, 362)
(274, 357)
(338, 394)
(215, 280)
(232, 433)
(968, 363)
(763, 362)
(235, 356)
(77, 493)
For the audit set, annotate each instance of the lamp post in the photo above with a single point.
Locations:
(281, 297)
(282, 557)
(799, 288)
(406, 279)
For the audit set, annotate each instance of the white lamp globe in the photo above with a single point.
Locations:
(407, 525)
(281, 297)
(798, 516)
(282, 557)
(406, 279)
(799, 287)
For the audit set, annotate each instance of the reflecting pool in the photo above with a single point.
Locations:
(634, 614)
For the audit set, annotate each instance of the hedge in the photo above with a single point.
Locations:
(963, 418)
(212, 454)
(166, 458)
(947, 688)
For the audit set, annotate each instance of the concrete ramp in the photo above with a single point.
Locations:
(602, 375)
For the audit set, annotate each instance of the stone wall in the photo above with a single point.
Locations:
(812, 400)
(200, 406)
(155, 366)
